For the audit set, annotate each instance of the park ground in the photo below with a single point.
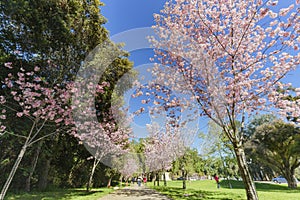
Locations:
(203, 189)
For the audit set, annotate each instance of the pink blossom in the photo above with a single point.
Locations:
(272, 14)
(37, 79)
(2, 128)
(8, 65)
(20, 114)
(263, 12)
(272, 3)
(2, 100)
(58, 120)
(36, 69)
(16, 98)
(284, 11)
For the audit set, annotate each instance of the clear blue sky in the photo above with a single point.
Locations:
(124, 15)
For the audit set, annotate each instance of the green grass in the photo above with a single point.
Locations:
(207, 189)
(70, 194)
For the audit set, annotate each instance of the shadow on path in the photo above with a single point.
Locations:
(136, 193)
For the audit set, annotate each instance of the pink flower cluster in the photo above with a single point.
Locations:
(162, 148)
(224, 55)
(36, 98)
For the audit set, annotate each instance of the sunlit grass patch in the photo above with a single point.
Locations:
(207, 189)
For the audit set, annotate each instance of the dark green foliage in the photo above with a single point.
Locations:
(277, 144)
(55, 35)
(57, 30)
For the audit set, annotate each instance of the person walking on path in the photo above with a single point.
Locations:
(139, 181)
(145, 180)
(217, 180)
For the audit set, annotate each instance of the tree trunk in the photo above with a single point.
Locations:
(43, 180)
(183, 180)
(109, 182)
(244, 170)
(33, 166)
(165, 180)
(184, 184)
(13, 171)
(157, 176)
(121, 181)
(289, 176)
(89, 184)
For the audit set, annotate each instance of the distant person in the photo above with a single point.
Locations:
(217, 180)
(145, 180)
(139, 181)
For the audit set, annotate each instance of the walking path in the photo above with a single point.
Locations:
(135, 193)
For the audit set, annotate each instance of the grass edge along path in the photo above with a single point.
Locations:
(61, 194)
(207, 189)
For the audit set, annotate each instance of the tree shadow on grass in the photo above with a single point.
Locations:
(190, 194)
(260, 186)
(51, 195)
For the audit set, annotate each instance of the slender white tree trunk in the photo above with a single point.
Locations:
(90, 182)
(13, 172)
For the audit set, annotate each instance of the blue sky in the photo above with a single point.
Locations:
(124, 15)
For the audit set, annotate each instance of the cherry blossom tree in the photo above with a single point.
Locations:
(104, 136)
(162, 147)
(129, 165)
(229, 57)
(31, 98)
(104, 141)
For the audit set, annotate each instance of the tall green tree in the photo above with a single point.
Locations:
(278, 146)
(59, 31)
(187, 165)
(55, 35)
(259, 170)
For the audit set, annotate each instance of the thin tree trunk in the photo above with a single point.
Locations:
(157, 176)
(183, 180)
(165, 180)
(244, 170)
(13, 171)
(109, 182)
(121, 179)
(33, 166)
(89, 184)
(154, 178)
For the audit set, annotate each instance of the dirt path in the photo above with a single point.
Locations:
(135, 193)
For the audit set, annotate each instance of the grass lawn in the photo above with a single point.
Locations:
(207, 189)
(70, 194)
